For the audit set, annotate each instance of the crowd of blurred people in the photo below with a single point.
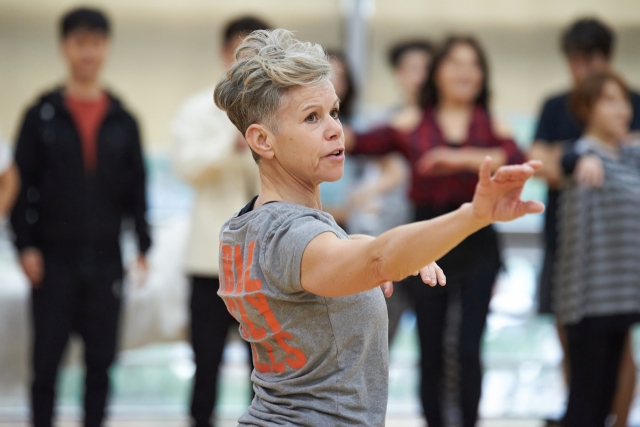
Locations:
(78, 171)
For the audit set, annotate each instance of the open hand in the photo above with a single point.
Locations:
(497, 198)
(432, 274)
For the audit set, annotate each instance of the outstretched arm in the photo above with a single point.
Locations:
(332, 267)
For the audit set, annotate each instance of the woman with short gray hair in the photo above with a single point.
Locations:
(306, 294)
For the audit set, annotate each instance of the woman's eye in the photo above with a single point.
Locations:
(335, 113)
(311, 117)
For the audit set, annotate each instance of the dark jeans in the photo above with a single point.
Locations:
(210, 322)
(75, 297)
(595, 349)
(451, 320)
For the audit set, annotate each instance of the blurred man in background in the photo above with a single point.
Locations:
(214, 158)
(9, 181)
(80, 161)
(588, 47)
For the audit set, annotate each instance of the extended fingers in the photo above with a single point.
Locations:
(514, 173)
(530, 207)
(387, 289)
(442, 279)
(484, 175)
(535, 164)
(428, 276)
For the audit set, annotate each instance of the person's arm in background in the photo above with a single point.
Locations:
(546, 149)
(27, 159)
(202, 142)
(138, 206)
(393, 172)
(9, 181)
(445, 160)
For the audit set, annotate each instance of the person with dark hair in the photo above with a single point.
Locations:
(588, 45)
(410, 63)
(455, 134)
(213, 157)
(80, 161)
(91, 20)
(596, 286)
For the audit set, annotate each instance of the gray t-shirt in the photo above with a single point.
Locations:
(317, 361)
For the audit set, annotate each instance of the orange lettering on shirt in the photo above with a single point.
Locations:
(277, 367)
(299, 359)
(227, 270)
(233, 289)
(256, 333)
(260, 367)
(239, 264)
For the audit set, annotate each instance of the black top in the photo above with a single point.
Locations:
(249, 206)
(558, 125)
(63, 210)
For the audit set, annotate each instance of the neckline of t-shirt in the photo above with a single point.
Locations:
(248, 209)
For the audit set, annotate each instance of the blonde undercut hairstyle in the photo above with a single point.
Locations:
(267, 64)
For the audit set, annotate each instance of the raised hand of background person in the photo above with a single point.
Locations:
(497, 197)
(33, 266)
(589, 171)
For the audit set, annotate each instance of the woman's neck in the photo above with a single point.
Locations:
(606, 139)
(454, 106)
(278, 184)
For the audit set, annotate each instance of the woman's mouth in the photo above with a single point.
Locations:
(337, 153)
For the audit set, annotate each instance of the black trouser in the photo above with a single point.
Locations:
(595, 349)
(210, 322)
(75, 297)
(451, 320)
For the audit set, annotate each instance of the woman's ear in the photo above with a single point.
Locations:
(260, 140)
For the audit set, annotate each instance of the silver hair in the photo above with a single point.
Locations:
(268, 63)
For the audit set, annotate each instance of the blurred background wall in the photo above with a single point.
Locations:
(164, 50)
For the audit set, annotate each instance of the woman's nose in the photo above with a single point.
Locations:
(334, 129)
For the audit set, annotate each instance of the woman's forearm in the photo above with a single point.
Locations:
(404, 250)
(474, 157)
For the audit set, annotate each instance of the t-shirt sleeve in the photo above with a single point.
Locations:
(544, 131)
(284, 245)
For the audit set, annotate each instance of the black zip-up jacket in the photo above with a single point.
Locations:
(64, 210)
